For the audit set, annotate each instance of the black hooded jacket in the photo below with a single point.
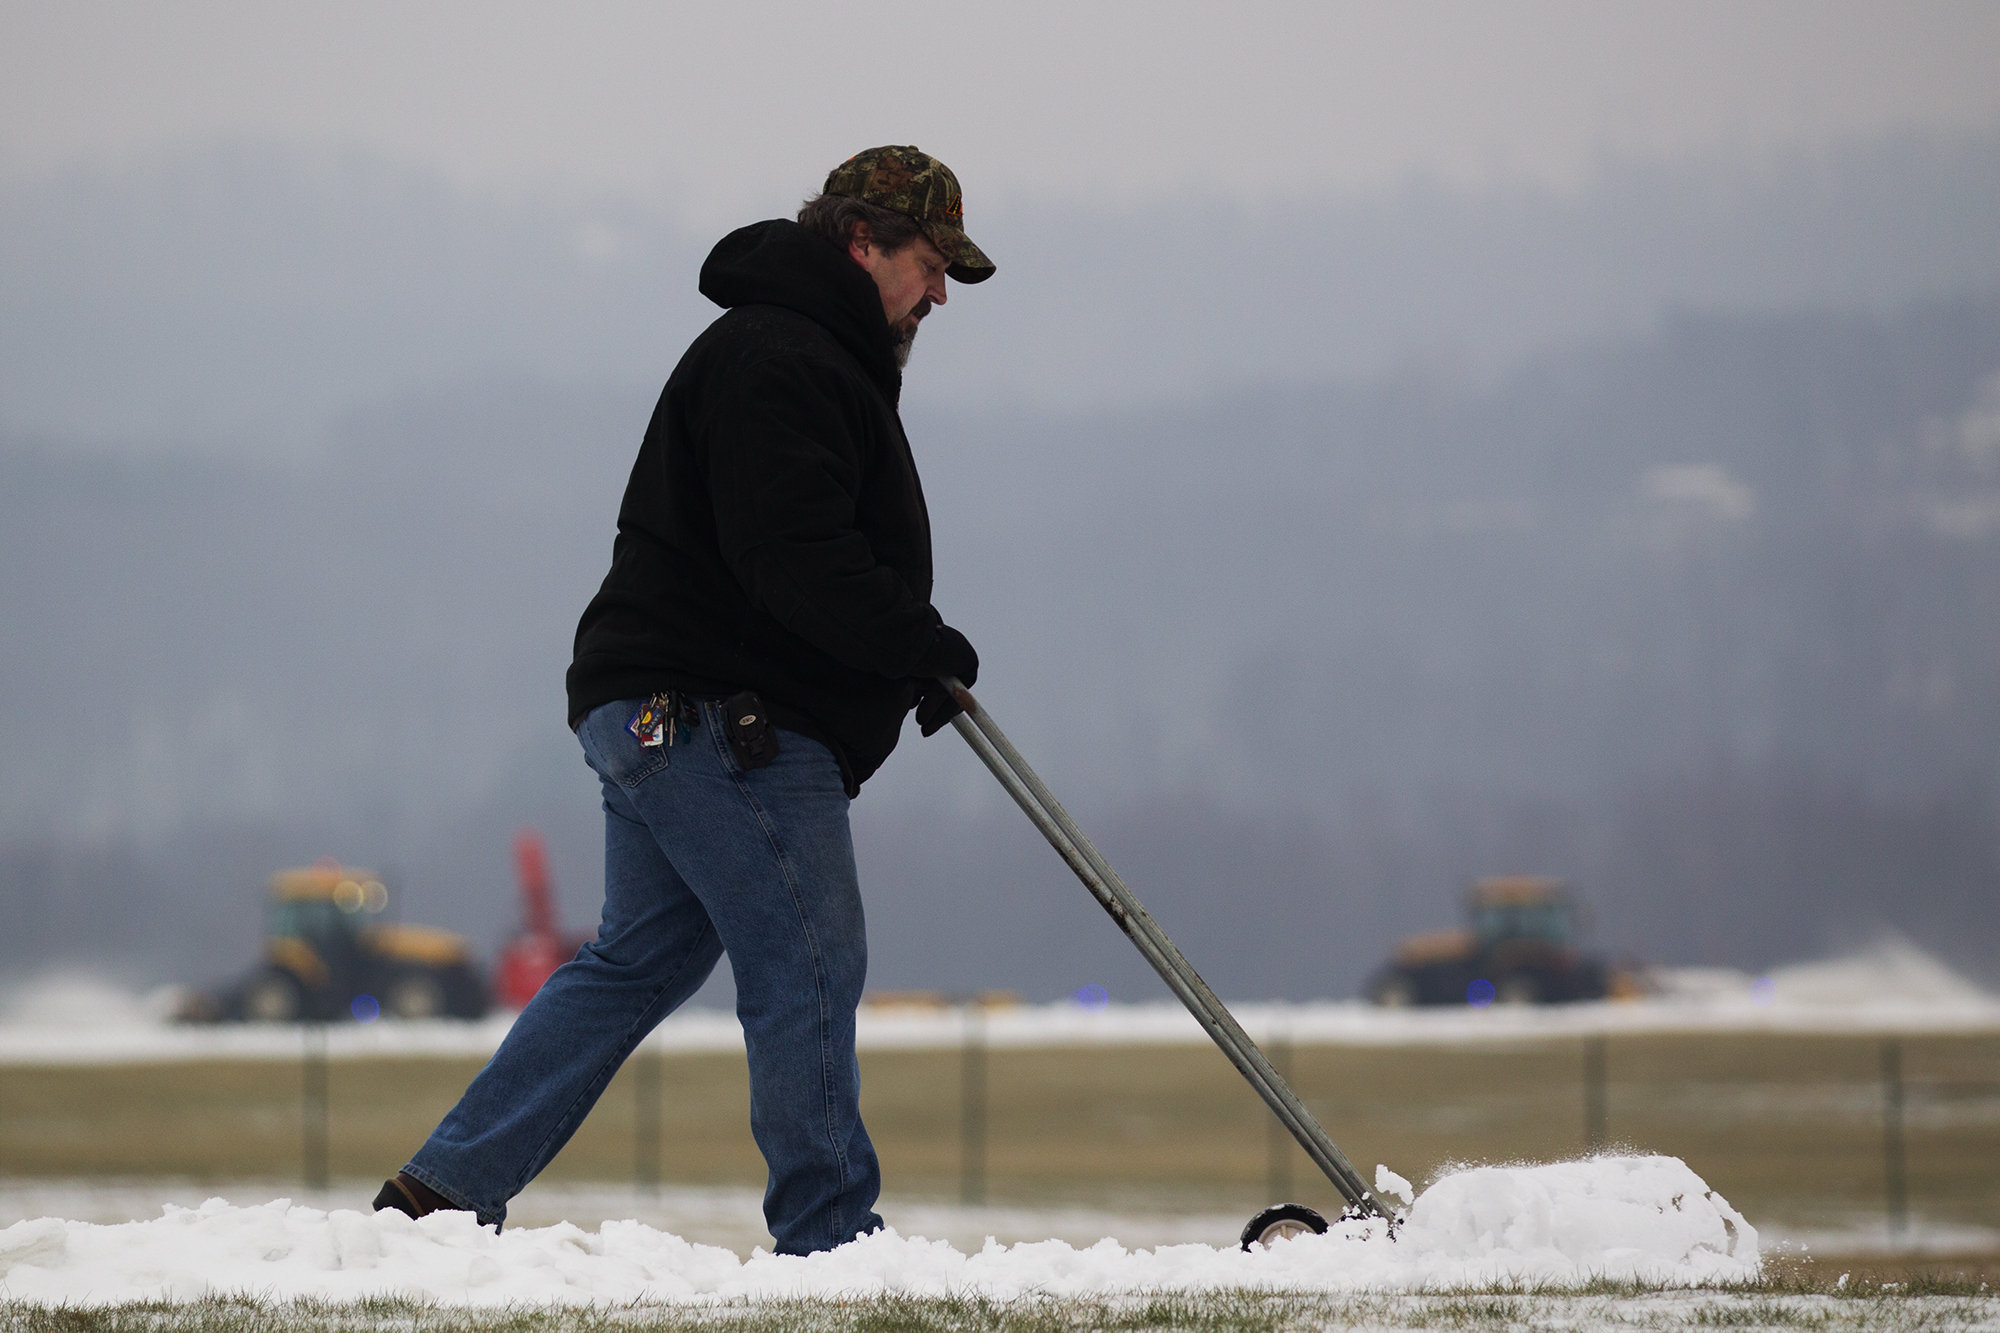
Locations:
(773, 535)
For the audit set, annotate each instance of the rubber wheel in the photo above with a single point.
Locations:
(1394, 991)
(415, 995)
(1282, 1221)
(273, 996)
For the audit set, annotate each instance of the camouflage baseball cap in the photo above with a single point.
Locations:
(910, 181)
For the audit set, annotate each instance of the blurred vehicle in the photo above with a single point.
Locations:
(1519, 941)
(326, 956)
(542, 945)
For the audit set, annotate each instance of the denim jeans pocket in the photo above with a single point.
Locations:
(613, 751)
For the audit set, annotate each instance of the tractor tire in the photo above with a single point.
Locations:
(1282, 1221)
(1393, 991)
(414, 994)
(273, 995)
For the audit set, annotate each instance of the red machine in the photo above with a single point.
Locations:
(527, 960)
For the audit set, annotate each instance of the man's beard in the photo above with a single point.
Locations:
(905, 340)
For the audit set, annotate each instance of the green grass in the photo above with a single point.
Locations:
(1782, 1303)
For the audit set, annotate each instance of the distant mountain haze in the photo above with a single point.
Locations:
(1708, 620)
(242, 297)
(1649, 537)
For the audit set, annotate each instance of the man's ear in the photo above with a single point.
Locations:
(858, 242)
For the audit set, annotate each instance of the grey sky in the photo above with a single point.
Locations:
(719, 110)
(337, 325)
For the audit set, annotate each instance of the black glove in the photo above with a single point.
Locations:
(935, 706)
(950, 655)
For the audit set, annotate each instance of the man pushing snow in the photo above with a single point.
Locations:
(746, 665)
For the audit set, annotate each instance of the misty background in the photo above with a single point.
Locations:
(1324, 551)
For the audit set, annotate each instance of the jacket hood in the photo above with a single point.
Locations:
(781, 263)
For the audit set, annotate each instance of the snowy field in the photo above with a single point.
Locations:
(1616, 1218)
(1623, 1242)
(1645, 1219)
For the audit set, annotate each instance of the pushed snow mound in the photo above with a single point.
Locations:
(1649, 1218)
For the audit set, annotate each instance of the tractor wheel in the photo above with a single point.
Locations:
(414, 994)
(1394, 991)
(273, 996)
(1282, 1221)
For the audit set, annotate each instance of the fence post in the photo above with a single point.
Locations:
(972, 1105)
(647, 1129)
(315, 1117)
(1596, 1107)
(1894, 1176)
(1277, 1140)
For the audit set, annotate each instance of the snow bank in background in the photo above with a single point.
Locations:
(1894, 969)
(71, 998)
(1894, 987)
(1648, 1218)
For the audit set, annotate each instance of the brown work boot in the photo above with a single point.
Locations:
(406, 1194)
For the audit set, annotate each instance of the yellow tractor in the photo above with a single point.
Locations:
(326, 956)
(1518, 947)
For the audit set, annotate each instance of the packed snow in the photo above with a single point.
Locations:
(1646, 1218)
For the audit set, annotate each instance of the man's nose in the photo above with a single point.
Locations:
(936, 291)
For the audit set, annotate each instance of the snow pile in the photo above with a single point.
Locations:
(1892, 970)
(69, 999)
(1648, 1218)
(1628, 1217)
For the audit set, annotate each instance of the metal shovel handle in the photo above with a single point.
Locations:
(983, 734)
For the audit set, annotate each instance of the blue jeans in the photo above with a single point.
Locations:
(701, 858)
